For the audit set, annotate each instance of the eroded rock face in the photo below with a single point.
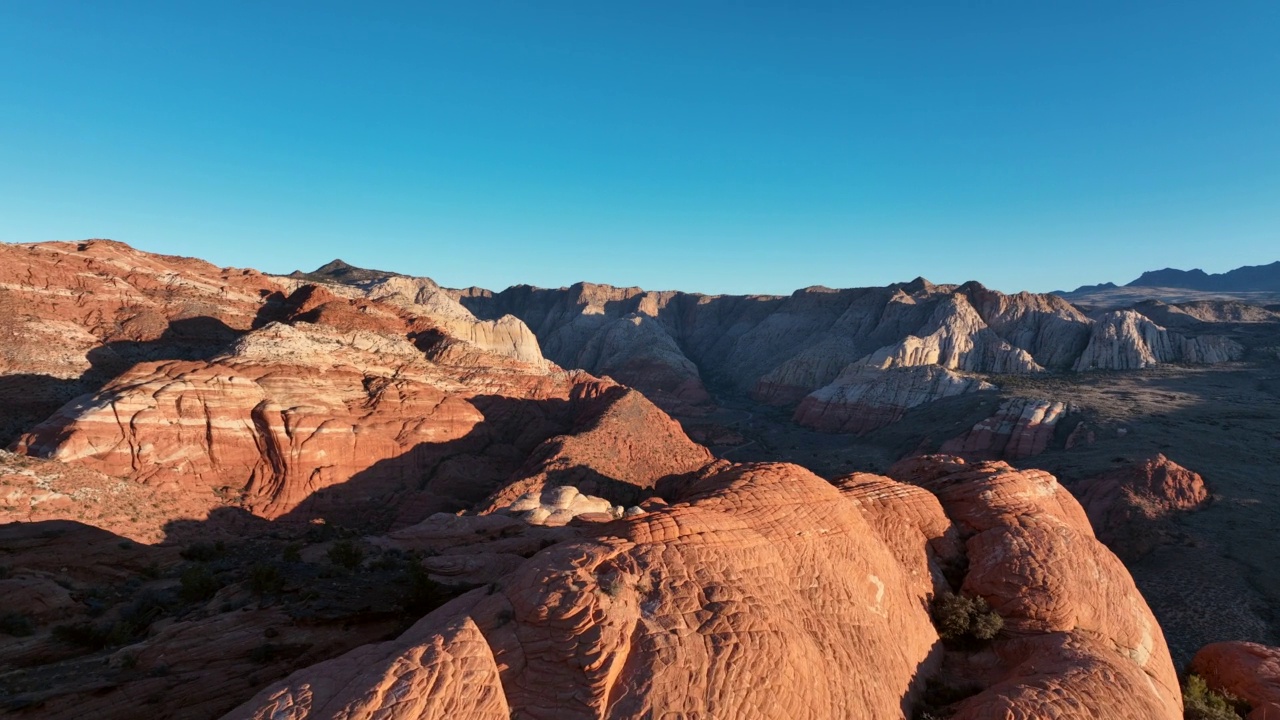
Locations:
(1247, 670)
(1126, 340)
(864, 398)
(1129, 506)
(781, 349)
(1020, 428)
(344, 419)
(74, 315)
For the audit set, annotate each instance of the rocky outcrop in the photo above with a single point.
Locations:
(1246, 670)
(74, 315)
(341, 419)
(618, 450)
(661, 613)
(780, 349)
(956, 338)
(864, 398)
(1020, 428)
(1130, 507)
(1080, 641)
(722, 603)
(1126, 340)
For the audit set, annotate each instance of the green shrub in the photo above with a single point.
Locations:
(16, 624)
(265, 579)
(292, 553)
(964, 620)
(347, 554)
(1201, 703)
(198, 584)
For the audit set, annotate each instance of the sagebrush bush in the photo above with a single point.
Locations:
(264, 579)
(198, 584)
(1201, 703)
(965, 620)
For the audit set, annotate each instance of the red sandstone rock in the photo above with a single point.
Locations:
(1247, 670)
(1020, 428)
(1079, 640)
(668, 610)
(1129, 506)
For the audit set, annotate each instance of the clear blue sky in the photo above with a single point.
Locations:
(720, 147)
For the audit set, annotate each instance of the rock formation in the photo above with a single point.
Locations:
(294, 410)
(1246, 670)
(1020, 428)
(1126, 340)
(1129, 506)
(1080, 640)
(863, 398)
(664, 611)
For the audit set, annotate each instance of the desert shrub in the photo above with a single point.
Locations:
(1201, 703)
(204, 552)
(198, 584)
(16, 624)
(292, 553)
(424, 594)
(347, 554)
(265, 579)
(964, 620)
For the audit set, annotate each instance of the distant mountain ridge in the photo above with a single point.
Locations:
(1253, 284)
(1250, 278)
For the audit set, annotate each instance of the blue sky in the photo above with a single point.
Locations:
(718, 147)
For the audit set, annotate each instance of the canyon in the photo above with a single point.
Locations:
(357, 494)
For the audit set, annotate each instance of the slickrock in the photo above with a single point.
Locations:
(728, 603)
(1247, 670)
(760, 591)
(1130, 506)
(1079, 640)
(1020, 428)
(1126, 340)
(864, 398)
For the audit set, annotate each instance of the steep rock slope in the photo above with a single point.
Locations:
(74, 315)
(1019, 428)
(1126, 340)
(783, 348)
